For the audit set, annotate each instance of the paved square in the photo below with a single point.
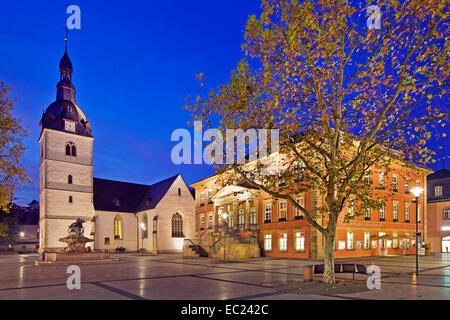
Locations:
(172, 277)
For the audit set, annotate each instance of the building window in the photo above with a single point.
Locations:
(70, 199)
(179, 191)
(107, 242)
(210, 221)
(349, 240)
(268, 242)
(418, 183)
(300, 241)
(145, 230)
(282, 210)
(382, 213)
(118, 228)
(341, 244)
(438, 191)
(210, 196)
(374, 244)
(368, 214)
(367, 178)
(232, 220)
(202, 222)
(395, 211)
(202, 198)
(298, 213)
(74, 151)
(69, 179)
(388, 244)
(282, 243)
(177, 226)
(394, 183)
(395, 241)
(407, 216)
(68, 149)
(253, 216)
(381, 180)
(366, 240)
(155, 224)
(446, 214)
(419, 220)
(406, 185)
(267, 212)
(350, 209)
(241, 217)
(116, 202)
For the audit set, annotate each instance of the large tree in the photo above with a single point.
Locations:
(12, 172)
(346, 94)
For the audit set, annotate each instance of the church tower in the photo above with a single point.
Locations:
(66, 168)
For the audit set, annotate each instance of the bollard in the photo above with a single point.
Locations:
(308, 273)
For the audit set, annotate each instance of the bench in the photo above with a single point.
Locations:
(343, 268)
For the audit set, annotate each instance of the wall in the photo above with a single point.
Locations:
(104, 227)
(166, 208)
(56, 212)
(435, 222)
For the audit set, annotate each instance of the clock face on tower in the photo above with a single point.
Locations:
(69, 126)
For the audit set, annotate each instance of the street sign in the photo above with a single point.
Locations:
(417, 234)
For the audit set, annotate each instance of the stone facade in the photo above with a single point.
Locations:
(62, 203)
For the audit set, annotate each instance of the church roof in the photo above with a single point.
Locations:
(65, 65)
(120, 196)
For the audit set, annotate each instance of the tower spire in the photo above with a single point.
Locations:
(66, 38)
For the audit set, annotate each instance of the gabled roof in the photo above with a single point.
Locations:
(440, 174)
(117, 196)
(155, 193)
(120, 196)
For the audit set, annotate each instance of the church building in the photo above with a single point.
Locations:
(155, 218)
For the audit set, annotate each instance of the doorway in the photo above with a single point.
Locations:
(446, 244)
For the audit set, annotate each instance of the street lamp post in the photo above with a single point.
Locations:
(143, 228)
(416, 192)
(224, 216)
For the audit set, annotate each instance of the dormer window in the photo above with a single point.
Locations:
(438, 191)
(116, 202)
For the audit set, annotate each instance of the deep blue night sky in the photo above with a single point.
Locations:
(134, 63)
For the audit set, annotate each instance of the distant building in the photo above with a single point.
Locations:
(439, 210)
(118, 214)
(24, 222)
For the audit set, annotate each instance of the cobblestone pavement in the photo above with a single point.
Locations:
(131, 276)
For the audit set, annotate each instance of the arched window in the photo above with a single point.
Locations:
(69, 179)
(177, 226)
(118, 232)
(179, 191)
(70, 199)
(446, 214)
(155, 224)
(71, 149)
(145, 230)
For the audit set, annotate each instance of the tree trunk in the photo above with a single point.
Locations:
(328, 274)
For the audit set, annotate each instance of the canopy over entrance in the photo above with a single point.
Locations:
(233, 193)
